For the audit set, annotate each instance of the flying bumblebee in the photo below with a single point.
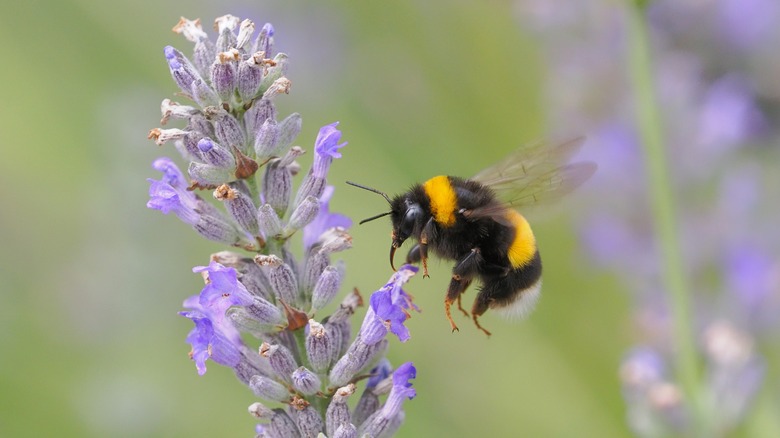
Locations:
(475, 223)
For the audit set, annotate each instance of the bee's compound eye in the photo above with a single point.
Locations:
(410, 218)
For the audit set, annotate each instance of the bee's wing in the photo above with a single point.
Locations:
(533, 175)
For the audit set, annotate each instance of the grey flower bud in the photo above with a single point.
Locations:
(269, 221)
(203, 56)
(282, 426)
(207, 175)
(358, 356)
(318, 347)
(277, 187)
(203, 94)
(216, 229)
(340, 334)
(261, 110)
(311, 186)
(306, 382)
(258, 318)
(250, 74)
(378, 425)
(227, 129)
(315, 265)
(309, 422)
(347, 430)
(240, 207)
(224, 75)
(259, 410)
(269, 389)
(215, 154)
(288, 160)
(366, 406)
(266, 139)
(274, 76)
(225, 25)
(334, 240)
(303, 214)
(182, 71)
(289, 128)
(326, 288)
(250, 365)
(337, 413)
(281, 360)
(199, 124)
(281, 277)
(265, 40)
(245, 33)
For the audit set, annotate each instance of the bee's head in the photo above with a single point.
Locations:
(405, 214)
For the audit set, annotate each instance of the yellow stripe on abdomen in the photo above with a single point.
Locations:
(523, 247)
(443, 200)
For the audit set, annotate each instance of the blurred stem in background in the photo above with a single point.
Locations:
(663, 206)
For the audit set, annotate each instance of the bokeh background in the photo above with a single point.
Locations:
(90, 280)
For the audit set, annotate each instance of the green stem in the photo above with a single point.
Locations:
(663, 206)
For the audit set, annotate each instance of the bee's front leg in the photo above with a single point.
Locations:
(424, 235)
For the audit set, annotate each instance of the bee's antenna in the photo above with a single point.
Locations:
(384, 195)
(375, 217)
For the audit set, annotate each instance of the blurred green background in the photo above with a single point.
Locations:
(90, 344)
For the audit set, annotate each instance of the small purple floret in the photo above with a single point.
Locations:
(327, 141)
(389, 309)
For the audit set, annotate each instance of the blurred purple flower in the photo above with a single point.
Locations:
(728, 114)
(324, 221)
(746, 24)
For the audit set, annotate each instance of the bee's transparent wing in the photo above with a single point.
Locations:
(536, 174)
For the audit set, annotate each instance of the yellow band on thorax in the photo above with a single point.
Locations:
(523, 247)
(443, 200)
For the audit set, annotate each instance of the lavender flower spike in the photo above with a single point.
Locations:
(228, 133)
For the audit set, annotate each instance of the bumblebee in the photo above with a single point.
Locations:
(475, 222)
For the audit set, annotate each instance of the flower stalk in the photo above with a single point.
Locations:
(662, 199)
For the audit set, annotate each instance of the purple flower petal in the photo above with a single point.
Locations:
(222, 291)
(170, 194)
(327, 141)
(208, 343)
(389, 309)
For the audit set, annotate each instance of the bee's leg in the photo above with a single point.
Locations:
(426, 232)
(481, 304)
(458, 285)
(462, 274)
(460, 307)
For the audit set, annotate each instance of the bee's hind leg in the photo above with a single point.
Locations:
(481, 304)
(462, 275)
(458, 285)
